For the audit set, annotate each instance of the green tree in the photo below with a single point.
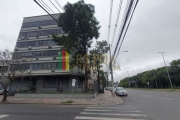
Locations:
(81, 26)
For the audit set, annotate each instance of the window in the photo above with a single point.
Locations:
(30, 54)
(44, 42)
(48, 65)
(40, 43)
(80, 83)
(44, 65)
(54, 65)
(39, 66)
(35, 66)
(50, 82)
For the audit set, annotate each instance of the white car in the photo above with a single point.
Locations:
(121, 91)
(1, 91)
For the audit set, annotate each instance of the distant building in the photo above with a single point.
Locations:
(45, 70)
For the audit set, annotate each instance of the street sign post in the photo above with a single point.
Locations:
(73, 84)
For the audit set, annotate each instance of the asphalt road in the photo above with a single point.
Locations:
(156, 105)
(139, 105)
(39, 112)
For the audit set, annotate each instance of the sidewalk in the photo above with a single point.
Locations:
(101, 99)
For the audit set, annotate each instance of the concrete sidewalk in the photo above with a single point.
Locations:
(101, 99)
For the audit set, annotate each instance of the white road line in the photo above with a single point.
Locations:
(107, 106)
(3, 116)
(115, 114)
(166, 99)
(102, 118)
(110, 110)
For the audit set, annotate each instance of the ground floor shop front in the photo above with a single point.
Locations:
(43, 84)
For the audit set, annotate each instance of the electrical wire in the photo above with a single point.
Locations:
(46, 11)
(59, 5)
(117, 19)
(110, 15)
(128, 24)
(66, 30)
(48, 8)
(124, 25)
(54, 6)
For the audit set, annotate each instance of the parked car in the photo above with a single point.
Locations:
(121, 91)
(1, 91)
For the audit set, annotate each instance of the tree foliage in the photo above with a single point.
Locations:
(157, 78)
(11, 68)
(81, 26)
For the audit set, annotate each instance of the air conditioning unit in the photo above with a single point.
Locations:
(22, 38)
(49, 35)
(27, 37)
(53, 70)
(30, 47)
(23, 59)
(49, 46)
(29, 71)
(39, 27)
(16, 48)
(54, 57)
(37, 58)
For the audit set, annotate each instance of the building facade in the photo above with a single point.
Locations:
(35, 42)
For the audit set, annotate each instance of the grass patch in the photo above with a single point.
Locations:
(67, 102)
(151, 89)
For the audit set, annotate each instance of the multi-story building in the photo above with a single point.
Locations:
(35, 42)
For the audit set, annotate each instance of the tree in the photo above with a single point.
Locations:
(81, 26)
(13, 66)
(96, 56)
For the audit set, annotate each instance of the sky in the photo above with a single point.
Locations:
(154, 28)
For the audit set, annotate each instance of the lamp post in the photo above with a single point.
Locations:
(166, 69)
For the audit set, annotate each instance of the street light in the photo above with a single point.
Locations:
(166, 69)
(121, 52)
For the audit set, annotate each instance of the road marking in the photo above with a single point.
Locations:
(110, 110)
(3, 116)
(166, 99)
(115, 114)
(107, 106)
(102, 118)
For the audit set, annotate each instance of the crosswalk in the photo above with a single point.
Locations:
(118, 112)
(3, 116)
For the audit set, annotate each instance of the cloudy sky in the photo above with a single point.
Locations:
(155, 27)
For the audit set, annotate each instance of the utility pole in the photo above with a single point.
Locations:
(111, 69)
(156, 79)
(167, 70)
(128, 77)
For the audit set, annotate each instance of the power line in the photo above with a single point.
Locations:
(46, 11)
(117, 19)
(50, 15)
(128, 24)
(59, 5)
(110, 15)
(55, 6)
(47, 7)
(125, 21)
